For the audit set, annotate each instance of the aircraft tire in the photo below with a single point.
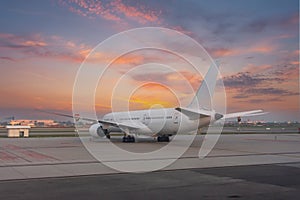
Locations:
(163, 139)
(128, 139)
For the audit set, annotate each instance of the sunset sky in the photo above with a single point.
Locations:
(43, 44)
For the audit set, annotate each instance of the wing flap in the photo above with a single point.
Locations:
(194, 114)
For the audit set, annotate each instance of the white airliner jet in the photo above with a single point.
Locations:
(165, 122)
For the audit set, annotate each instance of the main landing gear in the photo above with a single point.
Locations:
(163, 138)
(128, 139)
(106, 133)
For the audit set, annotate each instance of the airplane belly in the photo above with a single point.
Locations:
(169, 128)
(114, 129)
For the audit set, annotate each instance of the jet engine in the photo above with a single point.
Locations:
(96, 130)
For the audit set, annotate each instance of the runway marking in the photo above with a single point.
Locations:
(49, 147)
(6, 156)
(38, 156)
(28, 154)
(273, 140)
(251, 153)
(11, 148)
(289, 164)
(134, 160)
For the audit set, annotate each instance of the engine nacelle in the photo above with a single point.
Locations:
(96, 130)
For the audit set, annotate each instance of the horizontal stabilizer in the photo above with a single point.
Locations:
(194, 114)
(244, 114)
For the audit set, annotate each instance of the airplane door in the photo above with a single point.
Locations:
(146, 119)
(176, 118)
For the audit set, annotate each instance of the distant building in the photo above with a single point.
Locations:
(17, 131)
(34, 123)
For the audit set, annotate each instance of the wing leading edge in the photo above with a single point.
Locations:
(126, 124)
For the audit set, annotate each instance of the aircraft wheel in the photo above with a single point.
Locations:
(132, 139)
(167, 139)
(128, 139)
(163, 139)
(106, 133)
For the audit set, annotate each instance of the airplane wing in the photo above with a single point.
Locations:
(126, 124)
(194, 114)
(244, 114)
(76, 117)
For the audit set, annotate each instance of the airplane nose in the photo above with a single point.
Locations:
(218, 116)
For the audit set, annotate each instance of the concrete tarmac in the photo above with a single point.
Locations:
(265, 182)
(248, 166)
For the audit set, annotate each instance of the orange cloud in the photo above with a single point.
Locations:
(152, 94)
(107, 57)
(135, 59)
(294, 62)
(85, 52)
(34, 43)
(194, 79)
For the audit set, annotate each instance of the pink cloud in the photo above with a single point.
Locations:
(140, 14)
(182, 30)
(292, 20)
(222, 52)
(296, 52)
(115, 10)
(16, 47)
(254, 69)
(15, 41)
(261, 48)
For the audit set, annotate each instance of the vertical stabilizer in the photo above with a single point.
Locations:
(205, 92)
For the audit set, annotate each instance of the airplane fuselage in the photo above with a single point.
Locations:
(157, 121)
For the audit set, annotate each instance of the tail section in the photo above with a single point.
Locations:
(205, 93)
